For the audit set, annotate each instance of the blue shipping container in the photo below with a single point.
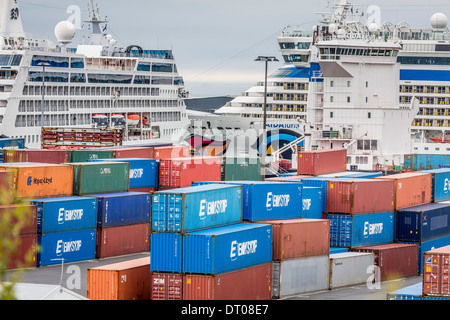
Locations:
(226, 249)
(122, 208)
(196, 208)
(363, 175)
(424, 222)
(426, 161)
(65, 214)
(264, 200)
(320, 182)
(166, 252)
(15, 143)
(312, 203)
(413, 292)
(72, 246)
(361, 230)
(440, 184)
(144, 173)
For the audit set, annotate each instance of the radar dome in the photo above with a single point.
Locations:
(439, 21)
(373, 27)
(64, 32)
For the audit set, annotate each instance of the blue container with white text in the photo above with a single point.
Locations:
(144, 173)
(225, 249)
(72, 246)
(122, 208)
(361, 230)
(196, 208)
(65, 214)
(264, 200)
(440, 184)
(312, 207)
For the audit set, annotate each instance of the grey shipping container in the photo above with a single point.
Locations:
(349, 268)
(301, 275)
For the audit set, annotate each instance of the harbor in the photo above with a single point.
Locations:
(327, 180)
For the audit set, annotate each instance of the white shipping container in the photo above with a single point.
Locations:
(350, 268)
(301, 275)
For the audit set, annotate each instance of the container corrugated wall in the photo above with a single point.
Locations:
(89, 154)
(440, 188)
(321, 162)
(166, 252)
(436, 272)
(240, 168)
(167, 286)
(350, 268)
(196, 208)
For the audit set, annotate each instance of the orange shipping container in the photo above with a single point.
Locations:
(171, 152)
(41, 181)
(128, 280)
(411, 188)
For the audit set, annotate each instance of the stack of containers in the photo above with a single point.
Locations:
(143, 173)
(361, 213)
(200, 246)
(436, 273)
(66, 229)
(123, 223)
(27, 240)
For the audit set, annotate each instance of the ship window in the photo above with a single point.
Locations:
(49, 77)
(54, 62)
(141, 80)
(77, 63)
(143, 67)
(78, 77)
(109, 78)
(162, 80)
(162, 67)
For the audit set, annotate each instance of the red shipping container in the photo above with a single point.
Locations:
(297, 238)
(116, 241)
(289, 178)
(171, 152)
(411, 188)
(360, 196)
(321, 162)
(44, 156)
(181, 172)
(26, 245)
(127, 280)
(13, 155)
(28, 211)
(167, 286)
(253, 283)
(134, 152)
(436, 272)
(394, 260)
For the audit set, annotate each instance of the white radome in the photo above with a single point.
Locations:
(439, 21)
(65, 31)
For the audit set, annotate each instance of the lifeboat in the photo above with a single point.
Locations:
(133, 119)
(440, 140)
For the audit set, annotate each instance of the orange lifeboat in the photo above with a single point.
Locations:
(133, 119)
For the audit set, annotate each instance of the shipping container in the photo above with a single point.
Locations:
(72, 246)
(89, 154)
(436, 272)
(171, 152)
(117, 241)
(196, 208)
(65, 214)
(413, 292)
(166, 252)
(360, 196)
(122, 208)
(41, 180)
(7, 191)
(440, 184)
(134, 152)
(294, 178)
(144, 173)
(225, 249)
(312, 203)
(411, 188)
(296, 238)
(43, 156)
(25, 251)
(28, 215)
(394, 260)
(300, 275)
(268, 200)
(167, 286)
(126, 280)
(321, 162)
(253, 283)
(362, 175)
(338, 250)
(353, 231)
(422, 223)
(241, 168)
(350, 268)
(426, 161)
(100, 177)
(319, 182)
(181, 172)
(10, 143)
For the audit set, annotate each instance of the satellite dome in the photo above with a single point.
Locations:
(332, 28)
(439, 21)
(373, 27)
(64, 32)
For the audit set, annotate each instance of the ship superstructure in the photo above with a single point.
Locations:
(97, 84)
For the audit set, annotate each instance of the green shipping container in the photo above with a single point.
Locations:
(241, 168)
(100, 177)
(86, 155)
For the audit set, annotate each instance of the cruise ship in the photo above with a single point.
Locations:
(325, 83)
(95, 85)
